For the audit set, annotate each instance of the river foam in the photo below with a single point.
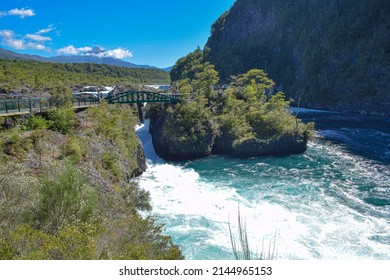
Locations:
(315, 205)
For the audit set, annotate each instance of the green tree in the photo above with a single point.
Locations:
(205, 80)
(61, 97)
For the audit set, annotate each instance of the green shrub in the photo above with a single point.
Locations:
(62, 119)
(110, 163)
(17, 193)
(116, 124)
(14, 144)
(64, 199)
(35, 122)
(72, 242)
(61, 97)
(136, 238)
(74, 149)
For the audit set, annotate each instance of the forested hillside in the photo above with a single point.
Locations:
(22, 75)
(328, 54)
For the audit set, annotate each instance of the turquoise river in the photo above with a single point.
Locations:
(332, 202)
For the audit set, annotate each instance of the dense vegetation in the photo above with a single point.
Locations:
(42, 76)
(327, 54)
(210, 119)
(66, 190)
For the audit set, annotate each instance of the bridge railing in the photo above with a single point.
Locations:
(23, 104)
(20, 105)
(143, 96)
(37, 104)
(81, 101)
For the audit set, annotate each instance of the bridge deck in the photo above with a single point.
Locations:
(22, 106)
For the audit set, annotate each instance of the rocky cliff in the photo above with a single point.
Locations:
(332, 54)
(174, 142)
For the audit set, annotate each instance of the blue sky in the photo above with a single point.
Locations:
(143, 32)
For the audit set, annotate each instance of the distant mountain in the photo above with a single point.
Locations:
(13, 55)
(97, 60)
(168, 69)
(88, 57)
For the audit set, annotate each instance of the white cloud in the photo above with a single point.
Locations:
(45, 30)
(37, 46)
(22, 13)
(71, 50)
(37, 37)
(6, 33)
(118, 53)
(15, 43)
(10, 39)
(85, 49)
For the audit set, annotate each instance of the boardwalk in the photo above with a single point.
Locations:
(22, 106)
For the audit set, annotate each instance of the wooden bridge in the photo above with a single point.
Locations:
(22, 106)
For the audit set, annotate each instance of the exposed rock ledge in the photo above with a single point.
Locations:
(171, 149)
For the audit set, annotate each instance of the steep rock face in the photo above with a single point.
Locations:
(168, 147)
(282, 146)
(254, 147)
(332, 54)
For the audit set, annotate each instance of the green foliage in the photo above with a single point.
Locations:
(277, 102)
(35, 122)
(188, 66)
(61, 97)
(110, 162)
(63, 211)
(58, 217)
(74, 149)
(136, 198)
(17, 193)
(59, 77)
(116, 124)
(70, 243)
(62, 119)
(14, 144)
(64, 200)
(190, 123)
(205, 80)
(246, 110)
(142, 240)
